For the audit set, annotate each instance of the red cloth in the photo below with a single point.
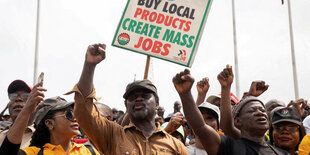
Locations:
(80, 141)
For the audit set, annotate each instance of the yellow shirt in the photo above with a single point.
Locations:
(304, 146)
(113, 139)
(49, 149)
(220, 132)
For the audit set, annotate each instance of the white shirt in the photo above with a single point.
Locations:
(192, 150)
(306, 124)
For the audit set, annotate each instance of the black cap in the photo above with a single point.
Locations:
(18, 85)
(288, 114)
(140, 84)
(54, 103)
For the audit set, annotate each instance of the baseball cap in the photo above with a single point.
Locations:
(140, 84)
(236, 110)
(233, 98)
(209, 106)
(18, 85)
(287, 114)
(211, 98)
(54, 103)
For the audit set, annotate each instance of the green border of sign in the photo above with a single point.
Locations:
(197, 38)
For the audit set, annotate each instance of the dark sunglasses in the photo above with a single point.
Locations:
(287, 128)
(69, 115)
(13, 96)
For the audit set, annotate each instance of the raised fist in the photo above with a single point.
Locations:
(95, 54)
(226, 77)
(183, 81)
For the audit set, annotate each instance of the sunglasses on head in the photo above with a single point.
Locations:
(13, 96)
(69, 115)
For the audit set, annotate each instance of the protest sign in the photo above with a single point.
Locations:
(165, 29)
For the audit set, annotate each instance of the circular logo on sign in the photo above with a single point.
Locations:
(123, 39)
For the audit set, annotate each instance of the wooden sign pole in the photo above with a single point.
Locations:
(147, 66)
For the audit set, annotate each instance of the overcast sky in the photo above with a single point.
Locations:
(67, 27)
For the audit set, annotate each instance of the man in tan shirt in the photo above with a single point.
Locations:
(18, 92)
(142, 135)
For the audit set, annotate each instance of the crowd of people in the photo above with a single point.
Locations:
(218, 124)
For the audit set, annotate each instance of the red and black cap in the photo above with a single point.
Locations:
(18, 85)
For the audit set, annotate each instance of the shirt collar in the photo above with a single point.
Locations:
(53, 147)
(157, 130)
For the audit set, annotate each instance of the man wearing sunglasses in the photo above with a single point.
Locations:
(142, 135)
(18, 92)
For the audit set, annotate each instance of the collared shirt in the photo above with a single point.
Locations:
(50, 149)
(26, 138)
(111, 138)
(4, 124)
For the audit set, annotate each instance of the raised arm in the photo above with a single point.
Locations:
(85, 110)
(202, 88)
(210, 139)
(227, 122)
(94, 55)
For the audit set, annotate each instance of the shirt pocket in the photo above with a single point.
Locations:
(165, 151)
(125, 150)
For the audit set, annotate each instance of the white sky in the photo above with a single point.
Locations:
(67, 27)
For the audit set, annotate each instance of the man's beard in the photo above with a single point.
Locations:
(140, 115)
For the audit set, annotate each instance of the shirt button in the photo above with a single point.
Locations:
(127, 153)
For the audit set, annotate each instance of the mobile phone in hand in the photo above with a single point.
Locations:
(41, 78)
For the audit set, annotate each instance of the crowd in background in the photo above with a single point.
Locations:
(217, 124)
